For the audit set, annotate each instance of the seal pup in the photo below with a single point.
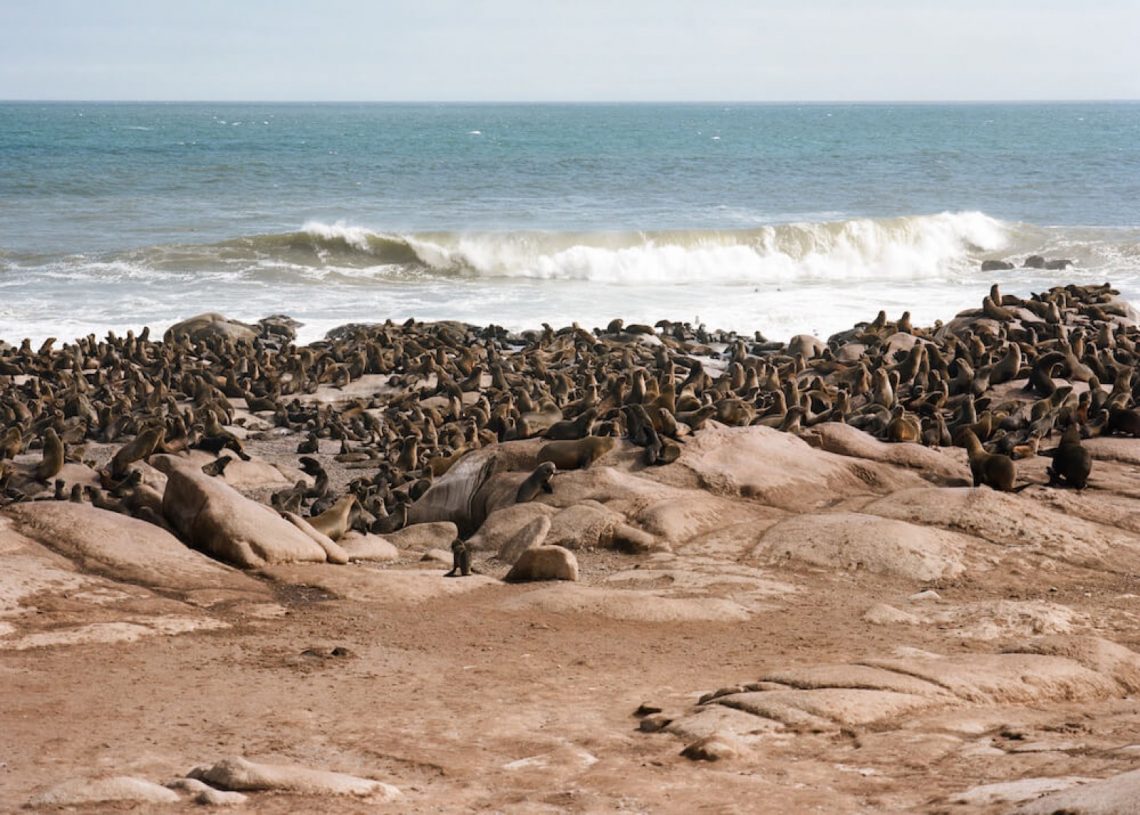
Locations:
(1072, 463)
(335, 520)
(577, 454)
(460, 559)
(139, 449)
(992, 469)
(538, 480)
(52, 461)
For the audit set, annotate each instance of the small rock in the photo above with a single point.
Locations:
(544, 563)
(883, 614)
(368, 547)
(646, 709)
(717, 747)
(653, 724)
(205, 794)
(996, 265)
(927, 596)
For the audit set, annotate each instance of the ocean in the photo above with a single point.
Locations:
(782, 219)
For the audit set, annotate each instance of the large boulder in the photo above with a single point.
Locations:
(212, 516)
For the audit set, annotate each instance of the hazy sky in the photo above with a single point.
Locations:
(572, 50)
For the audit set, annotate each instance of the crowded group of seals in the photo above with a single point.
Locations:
(1002, 381)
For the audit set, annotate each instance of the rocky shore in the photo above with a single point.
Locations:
(438, 567)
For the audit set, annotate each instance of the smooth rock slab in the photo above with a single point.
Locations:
(376, 585)
(242, 775)
(623, 604)
(422, 537)
(124, 548)
(850, 540)
(1118, 795)
(1014, 792)
(80, 791)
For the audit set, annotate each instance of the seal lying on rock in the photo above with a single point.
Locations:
(577, 454)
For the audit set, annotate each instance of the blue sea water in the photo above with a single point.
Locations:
(778, 218)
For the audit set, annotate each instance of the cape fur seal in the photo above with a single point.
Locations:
(992, 469)
(538, 480)
(577, 454)
(1072, 463)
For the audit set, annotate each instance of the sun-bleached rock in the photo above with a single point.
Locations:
(1014, 521)
(618, 604)
(845, 440)
(853, 541)
(715, 747)
(1013, 792)
(360, 546)
(255, 474)
(504, 524)
(883, 614)
(1117, 795)
(125, 788)
(215, 518)
(242, 775)
(690, 513)
(422, 537)
(780, 469)
(533, 534)
(887, 692)
(588, 525)
(124, 548)
(544, 563)
(372, 585)
(206, 795)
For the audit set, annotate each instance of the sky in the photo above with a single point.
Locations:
(569, 50)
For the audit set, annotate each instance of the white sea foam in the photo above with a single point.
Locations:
(915, 247)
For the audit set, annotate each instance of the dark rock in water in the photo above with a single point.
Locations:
(1058, 265)
(1034, 262)
(279, 325)
(996, 265)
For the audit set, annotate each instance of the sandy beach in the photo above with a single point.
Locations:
(770, 583)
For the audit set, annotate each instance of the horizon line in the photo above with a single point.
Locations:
(204, 101)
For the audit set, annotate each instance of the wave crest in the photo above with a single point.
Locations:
(908, 247)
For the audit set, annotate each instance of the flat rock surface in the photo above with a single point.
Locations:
(816, 625)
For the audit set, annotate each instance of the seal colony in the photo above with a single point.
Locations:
(1000, 381)
(899, 547)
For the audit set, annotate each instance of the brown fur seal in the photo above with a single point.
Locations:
(137, 450)
(460, 559)
(538, 480)
(992, 469)
(52, 462)
(335, 521)
(574, 455)
(1072, 463)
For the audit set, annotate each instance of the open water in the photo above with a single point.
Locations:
(778, 218)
